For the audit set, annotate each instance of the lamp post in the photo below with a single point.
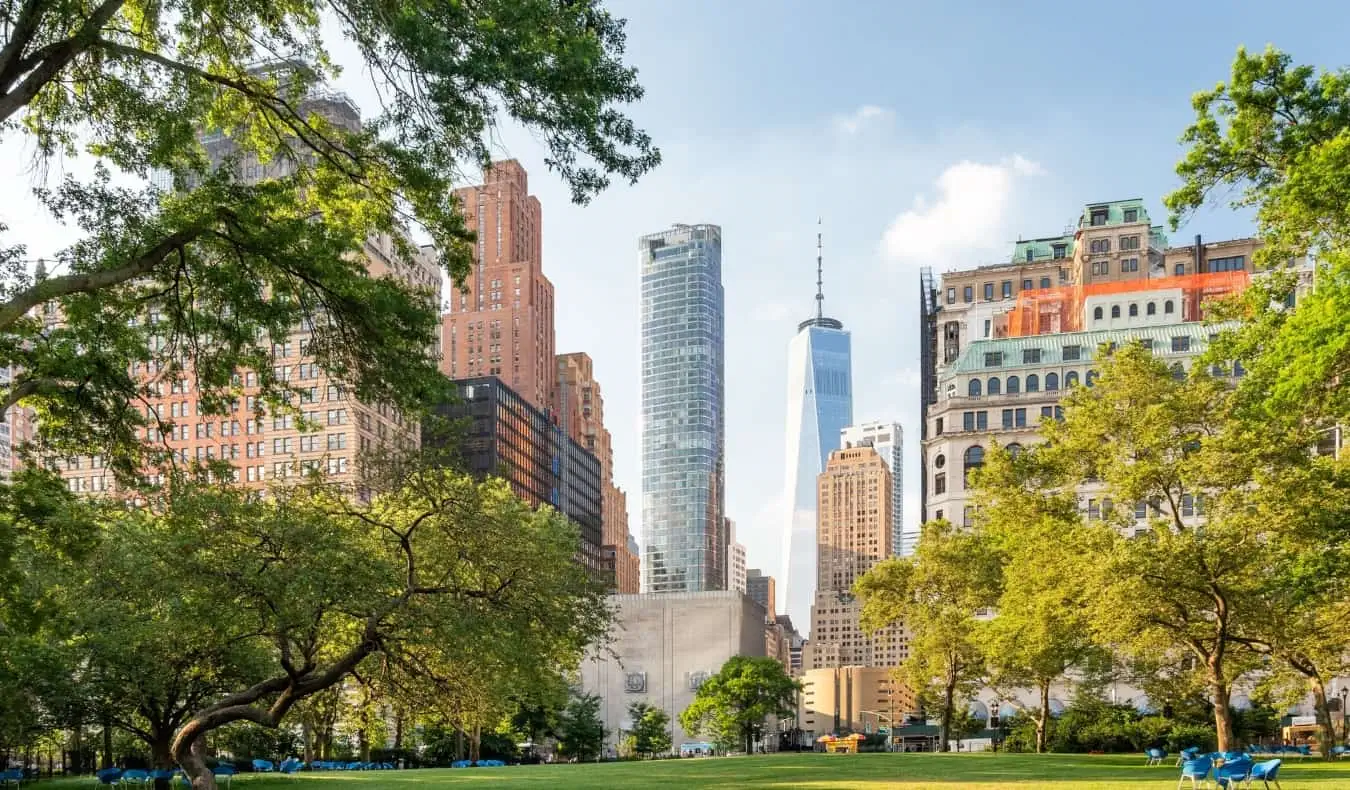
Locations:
(1345, 726)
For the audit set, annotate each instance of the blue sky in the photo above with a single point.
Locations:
(922, 134)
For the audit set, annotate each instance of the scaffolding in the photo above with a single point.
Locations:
(1054, 310)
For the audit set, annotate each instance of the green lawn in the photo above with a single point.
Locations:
(809, 771)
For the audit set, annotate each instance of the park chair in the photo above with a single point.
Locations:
(1337, 752)
(1267, 772)
(1188, 754)
(108, 777)
(224, 771)
(1197, 771)
(13, 776)
(162, 773)
(263, 766)
(1234, 772)
(134, 777)
(1155, 756)
(290, 766)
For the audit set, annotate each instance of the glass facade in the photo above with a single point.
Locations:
(683, 424)
(820, 407)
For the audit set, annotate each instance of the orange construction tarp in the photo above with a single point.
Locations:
(1051, 310)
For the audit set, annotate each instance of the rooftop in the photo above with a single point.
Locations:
(1052, 346)
(1115, 212)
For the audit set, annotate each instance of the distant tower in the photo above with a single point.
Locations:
(820, 406)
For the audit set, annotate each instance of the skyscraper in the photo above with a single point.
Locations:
(501, 323)
(683, 423)
(820, 406)
(887, 438)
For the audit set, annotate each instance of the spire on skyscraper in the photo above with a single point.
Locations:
(820, 319)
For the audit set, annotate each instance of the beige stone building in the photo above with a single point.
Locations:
(853, 534)
(852, 699)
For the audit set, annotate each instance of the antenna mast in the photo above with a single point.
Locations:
(820, 294)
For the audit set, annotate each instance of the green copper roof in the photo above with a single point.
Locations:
(1041, 249)
(1052, 346)
(1115, 211)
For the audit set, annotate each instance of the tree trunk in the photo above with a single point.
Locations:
(107, 742)
(307, 736)
(1043, 716)
(1323, 711)
(398, 733)
(459, 742)
(77, 759)
(363, 745)
(193, 761)
(948, 694)
(161, 753)
(1223, 716)
(476, 744)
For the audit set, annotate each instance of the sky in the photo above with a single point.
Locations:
(920, 134)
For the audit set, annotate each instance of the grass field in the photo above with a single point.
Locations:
(808, 771)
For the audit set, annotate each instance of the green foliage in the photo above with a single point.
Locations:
(936, 595)
(581, 733)
(651, 729)
(247, 742)
(733, 704)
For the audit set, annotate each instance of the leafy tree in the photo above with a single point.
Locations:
(197, 284)
(581, 733)
(739, 697)
(1042, 631)
(651, 729)
(936, 595)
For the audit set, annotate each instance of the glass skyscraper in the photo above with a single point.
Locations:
(820, 406)
(685, 539)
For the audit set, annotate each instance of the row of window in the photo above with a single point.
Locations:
(1005, 289)
(1169, 307)
(1074, 353)
(995, 386)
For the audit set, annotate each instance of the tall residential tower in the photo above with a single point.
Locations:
(820, 406)
(683, 422)
(887, 438)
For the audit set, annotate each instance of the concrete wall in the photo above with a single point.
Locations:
(663, 646)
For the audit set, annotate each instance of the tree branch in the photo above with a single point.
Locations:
(56, 58)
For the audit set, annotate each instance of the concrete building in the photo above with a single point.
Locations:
(841, 700)
(736, 578)
(663, 647)
(501, 323)
(683, 411)
(820, 405)
(854, 534)
(507, 437)
(761, 588)
(887, 438)
(582, 410)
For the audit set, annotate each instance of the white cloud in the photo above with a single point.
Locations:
(863, 116)
(967, 218)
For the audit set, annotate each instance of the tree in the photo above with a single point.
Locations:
(1041, 631)
(651, 729)
(936, 595)
(736, 700)
(581, 733)
(199, 283)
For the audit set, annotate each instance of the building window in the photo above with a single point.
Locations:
(1059, 250)
(1097, 313)
(1146, 343)
(1020, 420)
(1072, 353)
(1169, 307)
(995, 387)
(981, 420)
(938, 427)
(1129, 243)
(1101, 268)
(1134, 311)
(1099, 245)
(940, 461)
(1152, 308)
(1031, 256)
(1098, 216)
(940, 483)
(1007, 289)
(1026, 285)
(1007, 418)
(993, 359)
(951, 295)
(974, 459)
(1094, 510)
(1033, 383)
(1181, 343)
(1031, 356)
(988, 292)
(986, 327)
(1187, 505)
(1014, 385)
(1129, 264)
(1091, 378)
(1235, 263)
(1070, 378)
(968, 517)
(1180, 269)
(973, 388)
(968, 420)
(1131, 215)
(1178, 372)
(1052, 382)
(1115, 311)
(968, 294)
(1045, 282)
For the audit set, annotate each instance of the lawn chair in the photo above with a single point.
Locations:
(108, 777)
(263, 766)
(13, 776)
(1234, 772)
(224, 771)
(161, 773)
(1267, 772)
(1155, 756)
(1197, 771)
(1337, 752)
(135, 777)
(1188, 754)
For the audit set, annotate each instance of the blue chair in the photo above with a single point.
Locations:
(1155, 756)
(1337, 752)
(108, 776)
(1187, 754)
(224, 771)
(1196, 770)
(263, 766)
(136, 776)
(13, 776)
(290, 766)
(1267, 772)
(1234, 772)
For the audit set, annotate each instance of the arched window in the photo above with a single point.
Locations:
(1091, 378)
(1052, 382)
(1134, 310)
(1033, 383)
(1238, 370)
(974, 389)
(994, 387)
(1070, 378)
(1178, 372)
(1152, 308)
(1014, 449)
(974, 458)
(1169, 306)
(1014, 385)
(940, 461)
(1096, 314)
(1115, 311)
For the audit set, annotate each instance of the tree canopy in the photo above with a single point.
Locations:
(732, 705)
